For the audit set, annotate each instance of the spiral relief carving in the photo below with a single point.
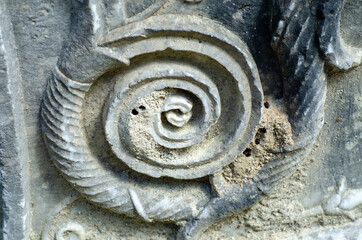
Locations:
(168, 114)
(182, 100)
(174, 87)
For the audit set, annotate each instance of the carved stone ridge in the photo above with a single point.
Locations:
(182, 99)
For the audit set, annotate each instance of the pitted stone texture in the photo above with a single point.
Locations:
(107, 185)
(195, 57)
(349, 232)
(232, 82)
(96, 172)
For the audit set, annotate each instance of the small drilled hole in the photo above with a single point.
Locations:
(262, 130)
(266, 105)
(257, 141)
(134, 112)
(142, 108)
(247, 152)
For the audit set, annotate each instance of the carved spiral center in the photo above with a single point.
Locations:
(170, 113)
(177, 110)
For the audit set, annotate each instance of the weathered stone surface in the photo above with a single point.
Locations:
(186, 112)
(351, 232)
(14, 170)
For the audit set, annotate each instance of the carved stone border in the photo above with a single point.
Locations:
(15, 194)
(296, 42)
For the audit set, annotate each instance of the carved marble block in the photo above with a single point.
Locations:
(177, 114)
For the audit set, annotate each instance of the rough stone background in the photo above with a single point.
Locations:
(40, 26)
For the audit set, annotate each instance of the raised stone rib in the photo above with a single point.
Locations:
(281, 167)
(302, 68)
(295, 43)
(304, 88)
(66, 140)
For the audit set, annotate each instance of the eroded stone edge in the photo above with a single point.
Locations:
(15, 192)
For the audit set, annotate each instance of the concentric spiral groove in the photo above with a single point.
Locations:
(187, 111)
